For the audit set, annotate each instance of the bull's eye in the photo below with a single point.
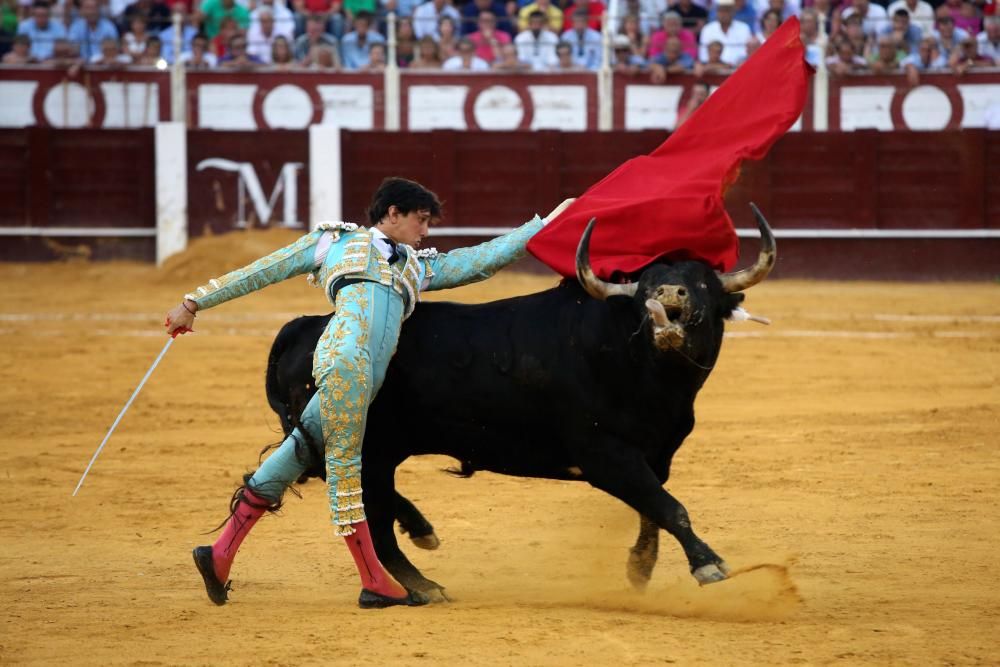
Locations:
(702, 286)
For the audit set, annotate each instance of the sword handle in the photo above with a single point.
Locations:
(178, 332)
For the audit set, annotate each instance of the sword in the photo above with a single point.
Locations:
(121, 414)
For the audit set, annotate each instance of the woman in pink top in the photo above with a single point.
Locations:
(488, 40)
(672, 26)
(964, 14)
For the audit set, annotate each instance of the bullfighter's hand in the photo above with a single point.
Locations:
(558, 209)
(181, 318)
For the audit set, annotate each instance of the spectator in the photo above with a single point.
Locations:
(215, 11)
(354, 7)
(41, 30)
(742, 11)
(846, 60)
(927, 58)
(887, 58)
(854, 32)
(65, 55)
(471, 11)
(921, 13)
(488, 39)
(135, 39)
(564, 59)
(88, 31)
(733, 35)
(785, 8)
(553, 19)
(188, 33)
(536, 45)
(426, 16)
(402, 8)
(20, 53)
(672, 26)
(110, 55)
(693, 16)
(376, 58)
(199, 57)
(593, 10)
(284, 20)
(948, 36)
(332, 12)
(281, 54)
(152, 56)
(428, 55)
(905, 35)
(769, 22)
(315, 35)
(671, 60)
(447, 37)
(826, 14)
(157, 14)
(9, 15)
(713, 62)
(321, 57)
(354, 46)
(809, 33)
(406, 42)
(873, 17)
(261, 35)
(696, 97)
(238, 57)
(989, 39)
(584, 41)
(227, 30)
(966, 56)
(964, 14)
(466, 59)
(632, 28)
(624, 59)
(509, 60)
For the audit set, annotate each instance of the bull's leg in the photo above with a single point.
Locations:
(379, 498)
(413, 523)
(622, 472)
(642, 557)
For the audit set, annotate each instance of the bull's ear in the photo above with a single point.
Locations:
(732, 301)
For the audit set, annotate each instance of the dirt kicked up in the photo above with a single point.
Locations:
(845, 458)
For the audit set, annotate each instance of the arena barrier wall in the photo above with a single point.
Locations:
(250, 101)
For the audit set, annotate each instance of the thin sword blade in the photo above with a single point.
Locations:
(121, 414)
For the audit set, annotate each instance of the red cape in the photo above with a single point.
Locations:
(670, 201)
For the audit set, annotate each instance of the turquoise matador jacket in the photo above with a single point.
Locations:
(371, 298)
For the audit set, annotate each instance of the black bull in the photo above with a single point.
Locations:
(587, 381)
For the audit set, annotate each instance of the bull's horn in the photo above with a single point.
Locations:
(750, 276)
(596, 287)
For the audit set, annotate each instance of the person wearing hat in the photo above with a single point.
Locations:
(623, 59)
(732, 34)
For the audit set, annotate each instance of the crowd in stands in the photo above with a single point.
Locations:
(660, 37)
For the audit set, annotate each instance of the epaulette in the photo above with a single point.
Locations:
(427, 253)
(337, 226)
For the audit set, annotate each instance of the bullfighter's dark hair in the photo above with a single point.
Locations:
(408, 196)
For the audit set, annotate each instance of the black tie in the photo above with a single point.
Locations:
(394, 255)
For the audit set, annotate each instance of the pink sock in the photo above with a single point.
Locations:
(248, 510)
(374, 576)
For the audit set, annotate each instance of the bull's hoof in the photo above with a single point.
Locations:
(437, 595)
(711, 573)
(429, 541)
(640, 569)
(372, 600)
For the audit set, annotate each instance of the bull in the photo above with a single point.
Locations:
(589, 381)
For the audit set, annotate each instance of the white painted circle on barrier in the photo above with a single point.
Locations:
(498, 108)
(287, 107)
(68, 105)
(926, 108)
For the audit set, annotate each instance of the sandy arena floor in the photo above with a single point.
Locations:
(852, 445)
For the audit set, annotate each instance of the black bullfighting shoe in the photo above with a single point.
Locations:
(217, 591)
(372, 600)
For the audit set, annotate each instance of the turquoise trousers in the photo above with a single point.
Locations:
(349, 367)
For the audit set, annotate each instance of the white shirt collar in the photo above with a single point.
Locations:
(380, 240)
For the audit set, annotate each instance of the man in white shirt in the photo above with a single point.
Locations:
(921, 13)
(536, 45)
(466, 60)
(873, 17)
(989, 39)
(427, 15)
(261, 35)
(284, 20)
(733, 35)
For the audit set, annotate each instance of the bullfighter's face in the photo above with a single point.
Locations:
(409, 228)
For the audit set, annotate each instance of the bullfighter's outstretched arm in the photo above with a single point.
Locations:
(293, 260)
(469, 265)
